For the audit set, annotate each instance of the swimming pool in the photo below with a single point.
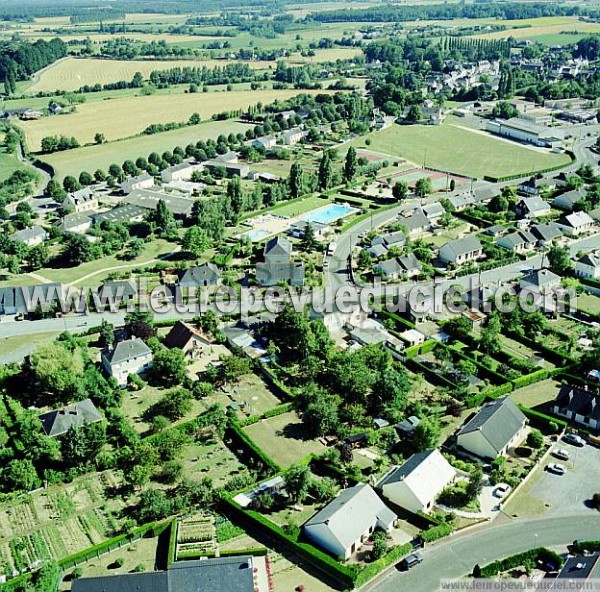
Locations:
(328, 214)
(255, 235)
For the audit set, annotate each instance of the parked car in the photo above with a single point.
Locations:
(411, 560)
(574, 439)
(502, 490)
(561, 453)
(557, 469)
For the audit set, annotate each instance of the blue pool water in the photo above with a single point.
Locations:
(328, 214)
(256, 235)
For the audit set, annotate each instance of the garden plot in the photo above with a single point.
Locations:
(196, 534)
(212, 459)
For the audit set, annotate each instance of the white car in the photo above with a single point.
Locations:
(557, 468)
(561, 453)
(502, 490)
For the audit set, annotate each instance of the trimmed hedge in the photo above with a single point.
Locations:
(258, 551)
(581, 546)
(172, 552)
(436, 532)
(541, 419)
(532, 173)
(540, 554)
(236, 433)
(528, 379)
(317, 558)
(281, 390)
(423, 348)
(274, 412)
(386, 314)
(392, 556)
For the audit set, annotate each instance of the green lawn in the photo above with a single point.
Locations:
(589, 302)
(536, 394)
(25, 342)
(459, 150)
(90, 158)
(300, 207)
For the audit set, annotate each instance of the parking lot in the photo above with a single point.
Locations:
(568, 493)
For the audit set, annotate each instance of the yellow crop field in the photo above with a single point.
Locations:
(73, 73)
(120, 118)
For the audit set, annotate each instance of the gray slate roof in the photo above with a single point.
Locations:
(128, 350)
(462, 246)
(351, 514)
(231, 574)
(58, 421)
(269, 274)
(28, 233)
(199, 276)
(547, 231)
(278, 246)
(498, 421)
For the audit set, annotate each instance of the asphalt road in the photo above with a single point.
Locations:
(456, 556)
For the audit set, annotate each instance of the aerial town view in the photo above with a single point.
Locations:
(299, 295)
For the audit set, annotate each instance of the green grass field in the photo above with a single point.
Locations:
(89, 158)
(301, 207)
(458, 150)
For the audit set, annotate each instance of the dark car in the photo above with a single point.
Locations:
(410, 561)
(574, 439)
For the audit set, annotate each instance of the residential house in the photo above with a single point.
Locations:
(278, 265)
(143, 181)
(540, 280)
(127, 357)
(434, 211)
(532, 207)
(25, 299)
(497, 427)
(567, 200)
(461, 201)
(201, 277)
(415, 224)
(116, 292)
(180, 172)
(377, 251)
(416, 484)
(82, 200)
(532, 186)
(546, 233)
(412, 337)
(391, 239)
(496, 230)
(578, 405)
(33, 236)
(518, 242)
(31, 115)
(344, 525)
(410, 266)
(225, 574)
(264, 142)
(58, 422)
(576, 223)
(485, 194)
(292, 136)
(588, 266)
(461, 250)
(187, 338)
(319, 229)
(75, 223)
(389, 269)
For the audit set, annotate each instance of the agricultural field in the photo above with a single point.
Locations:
(73, 73)
(459, 150)
(284, 437)
(72, 162)
(124, 117)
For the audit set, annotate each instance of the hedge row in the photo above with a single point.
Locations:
(540, 554)
(281, 390)
(581, 546)
(315, 557)
(531, 173)
(484, 371)
(436, 532)
(236, 433)
(275, 411)
(542, 419)
(435, 378)
(555, 356)
(172, 551)
(417, 350)
(386, 314)
(392, 556)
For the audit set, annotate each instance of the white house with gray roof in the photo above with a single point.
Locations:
(540, 280)
(202, 276)
(143, 181)
(497, 427)
(576, 223)
(518, 242)
(588, 266)
(33, 236)
(58, 421)
(416, 484)
(128, 357)
(567, 200)
(461, 250)
(342, 526)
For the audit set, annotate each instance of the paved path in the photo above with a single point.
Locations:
(456, 555)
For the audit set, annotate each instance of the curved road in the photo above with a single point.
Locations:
(456, 556)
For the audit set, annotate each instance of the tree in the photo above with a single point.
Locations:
(169, 365)
(390, 390)
(325, 175)
(380, 545)
(309, 242)
(70, 183)
(414, 114)
(321, 416)
(85, 178)
(38, 256)
(107, 334)
(99, 138)
(466, 369)
(400, 190)
(499, 203)
(20, 475)
(296, 181)
(236, 197)
(474, 485)
(559, 259)
(350, 165)
(297, 482)
(490, 335)
(195, 241)
(55, 191)
(535, 439)
(163, 217)
(81, 444)
(459, 327)
(504, 110)
(427, 434)
(423, 187)
(78, 250)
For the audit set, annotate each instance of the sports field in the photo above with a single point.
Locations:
(89, 158)
(459, 150)
(73, 73)
(130, 115)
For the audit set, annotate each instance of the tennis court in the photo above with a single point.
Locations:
(439, 181)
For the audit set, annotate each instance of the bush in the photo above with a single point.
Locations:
(534, 556)
(436, 532)
(535, 439)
